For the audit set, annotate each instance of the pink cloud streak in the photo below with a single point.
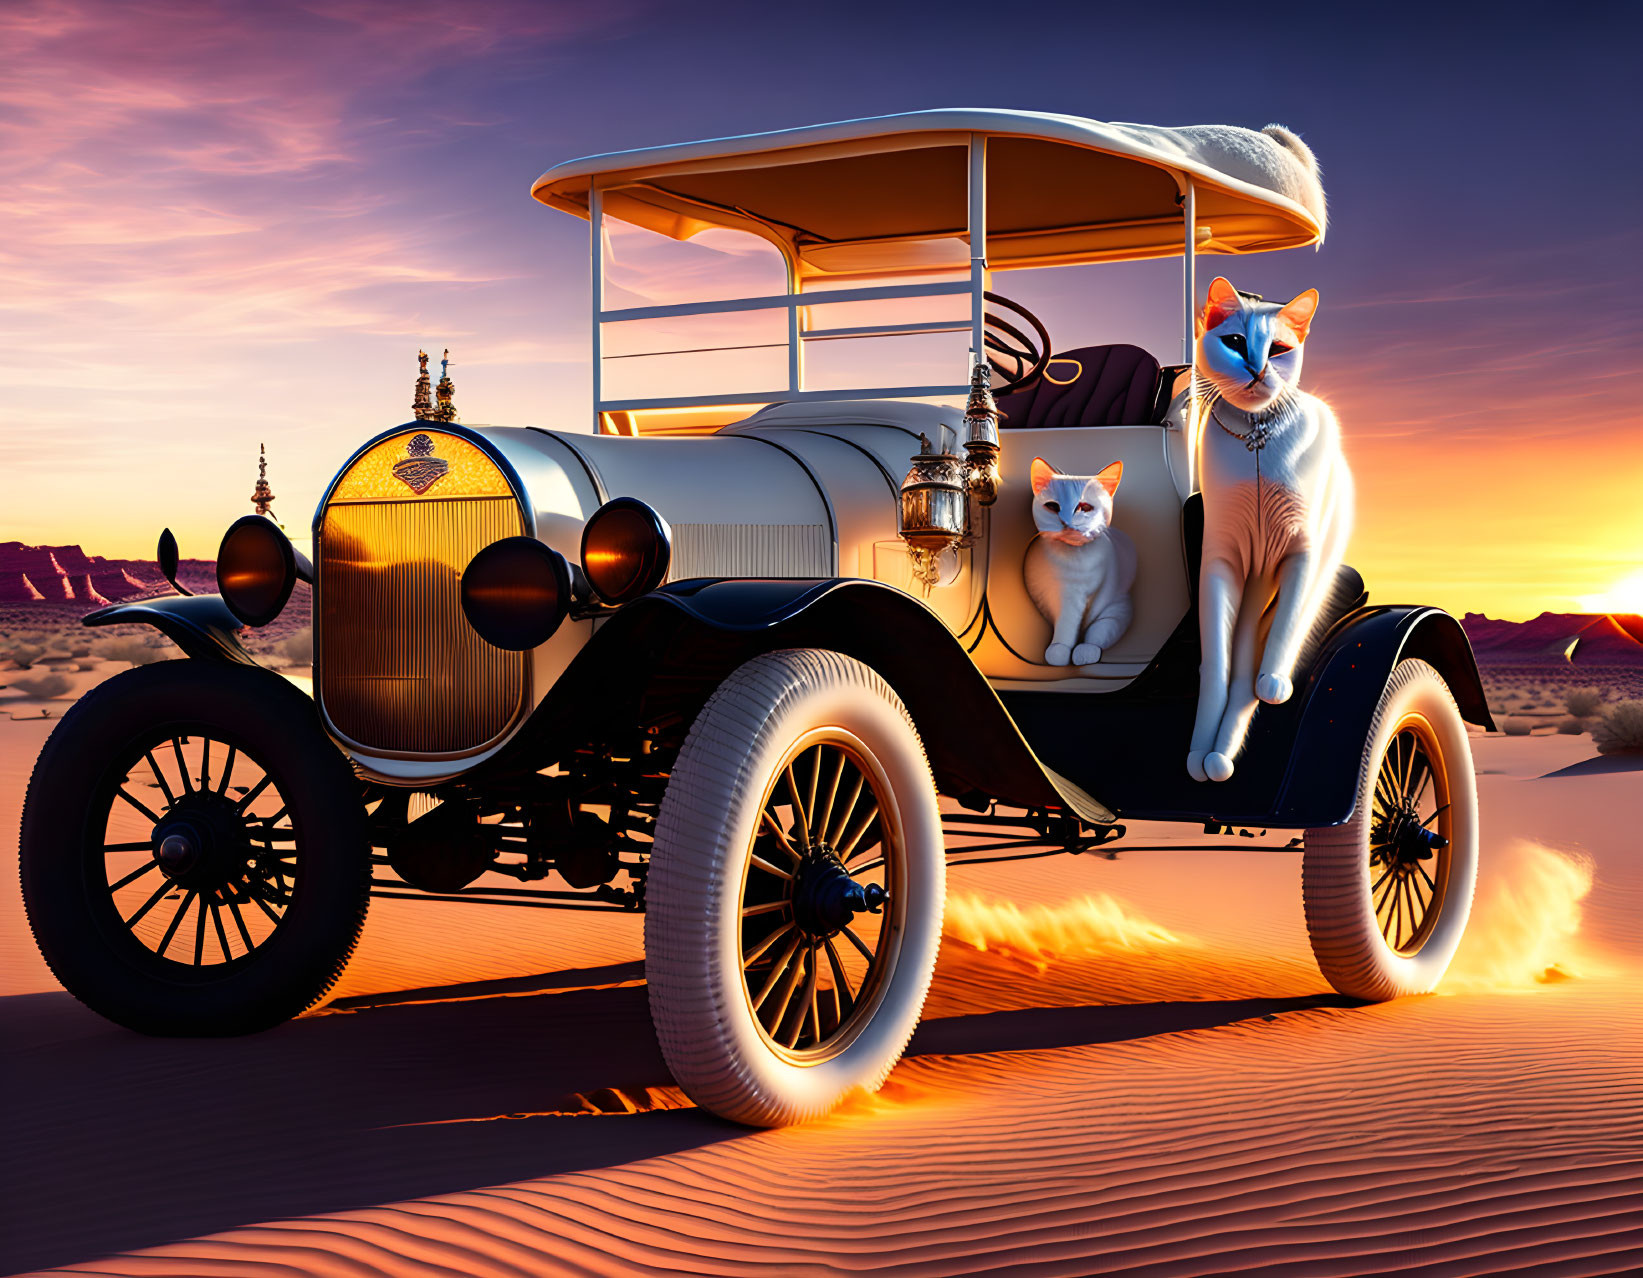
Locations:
(196, 190)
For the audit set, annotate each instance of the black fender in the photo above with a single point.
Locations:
(654, 664)
(1350, 674)
(201, 625)
(1299, 765)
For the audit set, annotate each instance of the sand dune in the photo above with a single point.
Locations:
(1127, 1065)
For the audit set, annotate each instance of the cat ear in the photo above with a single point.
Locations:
(1223, 301)
(1298, 314)
(1110, 476)
(1042, 473)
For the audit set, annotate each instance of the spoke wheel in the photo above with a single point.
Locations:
(1411, 825)
(199, 848)
(794, 900)
(821, 896)
(1388, 893)
(195, 858)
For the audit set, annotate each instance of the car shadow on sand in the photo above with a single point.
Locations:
(118, 1142)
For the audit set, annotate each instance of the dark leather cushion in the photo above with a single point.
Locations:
(1104, 386)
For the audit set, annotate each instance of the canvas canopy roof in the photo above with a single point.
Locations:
(890, 193)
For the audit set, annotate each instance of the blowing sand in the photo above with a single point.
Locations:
(1126, 1065)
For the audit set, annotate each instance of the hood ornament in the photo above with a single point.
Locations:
(445, 392)
(420, 470)
(430, 403)
(422, 403)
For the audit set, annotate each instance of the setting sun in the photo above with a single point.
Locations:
(1626, 595)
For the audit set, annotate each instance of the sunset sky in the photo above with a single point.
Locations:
(225, 224)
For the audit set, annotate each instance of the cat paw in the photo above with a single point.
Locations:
(1218, 766)
(1058, 654)
(1274, 689)
(1195, 765)
(1086, 654)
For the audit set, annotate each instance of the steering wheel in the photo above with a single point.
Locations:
(1003, 340)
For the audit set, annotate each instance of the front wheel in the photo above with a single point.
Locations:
(1388, 893)
(795, 897)
(195, 858)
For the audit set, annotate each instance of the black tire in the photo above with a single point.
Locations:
(314, 893)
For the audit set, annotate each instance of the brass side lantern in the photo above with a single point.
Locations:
(935, 496)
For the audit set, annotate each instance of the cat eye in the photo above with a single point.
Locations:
(1235, 341)
(1085, 506)
(1053, 506)
(1279, 348)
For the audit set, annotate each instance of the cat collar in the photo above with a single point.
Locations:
(1262, 426)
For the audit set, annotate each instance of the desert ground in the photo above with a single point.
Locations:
(1127, 1064)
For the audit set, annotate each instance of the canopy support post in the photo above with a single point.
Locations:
(596, 233)
(1189, 284)
(1189, 308)
(978, 248)
(795, 328)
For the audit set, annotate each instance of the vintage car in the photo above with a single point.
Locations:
(739, 659)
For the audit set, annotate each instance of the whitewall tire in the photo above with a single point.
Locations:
(796, 888)
(1388, 894)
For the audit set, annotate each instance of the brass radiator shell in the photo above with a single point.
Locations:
(399, 671)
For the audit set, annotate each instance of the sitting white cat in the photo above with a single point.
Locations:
(1079, 569)
(1277, 514)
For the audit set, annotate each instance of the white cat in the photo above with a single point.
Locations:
(1079, 569)
(1277, 514)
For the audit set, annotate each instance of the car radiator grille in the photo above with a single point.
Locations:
(400, 670)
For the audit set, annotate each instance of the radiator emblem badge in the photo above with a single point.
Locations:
(421, 470)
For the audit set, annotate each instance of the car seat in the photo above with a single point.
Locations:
(1115, 385)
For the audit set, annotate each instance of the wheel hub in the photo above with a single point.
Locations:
(826, 898)
(1408, 841)
(201, 842)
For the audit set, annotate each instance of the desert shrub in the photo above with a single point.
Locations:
(1516, 727)
(298, 648)
(136, 651)
(1583, 703)
(41, 686)
(86, 665)
(80, 650)
(1620, 730)
(24, 655)
(1572, 727)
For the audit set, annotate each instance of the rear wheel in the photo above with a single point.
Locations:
(794, 903)
(1388, 893)
(194, 851)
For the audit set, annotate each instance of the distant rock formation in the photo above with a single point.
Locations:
(43, 586)
(85, 592)
(15, 587)
(1582, 639)
(114, 584)
(66, 574)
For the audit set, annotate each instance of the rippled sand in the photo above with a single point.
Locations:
(1126, 1065)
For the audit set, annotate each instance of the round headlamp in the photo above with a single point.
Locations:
(515, 592)
(256, 569)
(626, 550)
